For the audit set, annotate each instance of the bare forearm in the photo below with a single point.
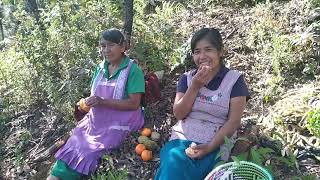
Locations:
(228, 129)
(183, 107)
(123, 105)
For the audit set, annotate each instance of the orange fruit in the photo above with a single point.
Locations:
(146, 155)
(84, 106)
(146, 132)
(140, 148)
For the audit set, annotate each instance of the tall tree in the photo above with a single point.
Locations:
(1, 23)
(31, 6)
(128, 20)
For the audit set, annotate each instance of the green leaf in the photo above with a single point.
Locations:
(235, 159)
(106, 157)
(264, 151)
(309, 177)
(256, 157)
(278, 135)
(219, 155)
(228, 143)
(243, 156)
(285, 160)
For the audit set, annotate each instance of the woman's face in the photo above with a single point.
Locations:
(112, 51)
(206, 55)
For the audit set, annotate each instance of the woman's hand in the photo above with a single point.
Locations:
(199, 151)
(202, 77)
(93, 101)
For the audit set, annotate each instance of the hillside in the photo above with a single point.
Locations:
(274, 44)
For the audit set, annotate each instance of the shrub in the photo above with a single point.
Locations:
(313, 122)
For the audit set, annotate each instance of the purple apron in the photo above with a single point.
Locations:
(102, 129)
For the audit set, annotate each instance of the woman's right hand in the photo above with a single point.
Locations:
(93, 101)
(202, 77)
(198, 151)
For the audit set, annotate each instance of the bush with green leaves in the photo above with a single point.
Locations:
(313, 122)
(15, 78)
(155, 37)
(111, 173)
(285, 54)
(315, 3)
(56, 54)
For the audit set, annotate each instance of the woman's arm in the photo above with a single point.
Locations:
(132, 103)
(184, 101)
(237, 106)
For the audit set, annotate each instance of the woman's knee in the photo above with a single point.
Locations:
(175, 156)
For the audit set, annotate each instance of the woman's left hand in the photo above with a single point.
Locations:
(93, 101)
(199, 151)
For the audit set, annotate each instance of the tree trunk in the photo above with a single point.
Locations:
(128, 21)
(1, 23)
(32, 7)
(1, 29)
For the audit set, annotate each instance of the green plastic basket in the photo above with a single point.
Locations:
(242, 170)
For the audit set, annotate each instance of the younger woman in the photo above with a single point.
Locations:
(209, 104)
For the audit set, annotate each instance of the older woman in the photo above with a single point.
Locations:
(115, 99)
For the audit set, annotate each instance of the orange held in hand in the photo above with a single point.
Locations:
(84, 106)
(140, 148)
(146, 132)
(146, 155)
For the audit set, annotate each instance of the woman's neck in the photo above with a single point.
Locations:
(116, 63)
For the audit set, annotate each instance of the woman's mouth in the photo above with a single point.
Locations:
(204, 64)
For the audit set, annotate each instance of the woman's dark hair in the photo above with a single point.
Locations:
(210, 34)
(113, 35)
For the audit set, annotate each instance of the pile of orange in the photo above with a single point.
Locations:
(145, 154)
(144, 150)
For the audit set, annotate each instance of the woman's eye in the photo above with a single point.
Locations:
(196, 52)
